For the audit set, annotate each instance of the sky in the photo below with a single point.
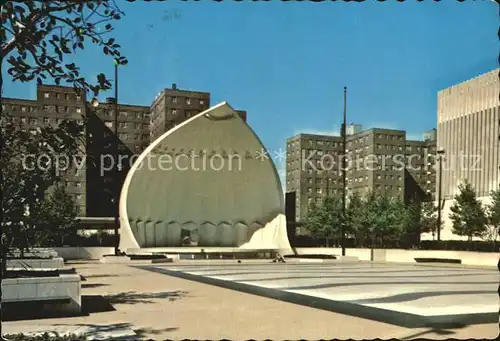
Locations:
(287, 63)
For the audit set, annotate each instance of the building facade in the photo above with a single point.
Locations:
(378, 160)
(94, 182)
(468, 131)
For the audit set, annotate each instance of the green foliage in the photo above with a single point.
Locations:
(27, 177)
(56, 218)
(39, 38)
(493, 211)
(356, 222)
(467, 213)
(323, 220)
(414, 217)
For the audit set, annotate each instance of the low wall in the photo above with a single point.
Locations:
(408, 256)
(40, 289)
(42, 263)
(87, 253)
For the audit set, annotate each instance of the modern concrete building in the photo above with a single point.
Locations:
(468, 118)
(468, 131)
(379, 160)
(207, 182)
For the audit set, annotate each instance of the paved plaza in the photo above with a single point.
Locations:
(412, 296)
(125, 302)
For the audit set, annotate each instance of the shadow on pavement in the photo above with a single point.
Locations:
(133, 297)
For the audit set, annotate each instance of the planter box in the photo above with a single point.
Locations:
(36, 253)
(63, 293)
(41, 263)
(86, 253)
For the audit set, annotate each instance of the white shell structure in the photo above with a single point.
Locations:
(208, 178)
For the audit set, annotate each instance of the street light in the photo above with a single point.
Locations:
(440, 153)
(117, 169)
(344, 180)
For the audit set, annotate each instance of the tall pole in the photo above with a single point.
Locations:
(116, 194)
(438, 227)
(344, 178)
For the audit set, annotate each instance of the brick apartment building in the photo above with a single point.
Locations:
(96, 183)
(378, 160)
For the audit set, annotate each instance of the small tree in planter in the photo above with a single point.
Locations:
(467, 213)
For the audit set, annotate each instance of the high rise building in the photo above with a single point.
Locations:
(96, 182)
(378, 160)
(174, 106)
(468, 132)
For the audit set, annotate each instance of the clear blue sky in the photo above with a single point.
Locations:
(287, 63)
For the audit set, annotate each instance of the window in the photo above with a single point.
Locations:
(139, 115)
(46, 120)
(188, 101)
(58, 120)
(23, 109)
(66, 97)
(123, 124)
(78, 184)
(46, 95)
(174, 99)
(108, 124)
(78, 97)
(33, 120)
(78, 197)
(123, 114)
(23, 119)
(202, 102)
(78, 110)
(58, 96)
(174, 111)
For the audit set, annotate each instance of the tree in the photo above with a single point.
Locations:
(385, 217)
(413, 223)
(323, 220)
(429, 218)
(467, 213)
(28, 169)
(356, 218)
(38, 35)
(38, 39)
(493, 211)
(56, 218)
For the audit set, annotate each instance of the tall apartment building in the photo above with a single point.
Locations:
(96, 183)
(378, 160)
(468, 117)
(52, 105)
(173, 106)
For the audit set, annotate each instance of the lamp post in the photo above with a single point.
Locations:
(117, 167)
(344, 180)
(440, 153)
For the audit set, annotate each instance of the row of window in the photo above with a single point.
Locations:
(110, 124)
(124, 114)
(46, 120)
(46, 108)
(188, 100)
(67, 97)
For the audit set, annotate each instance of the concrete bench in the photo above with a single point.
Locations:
(438, 260)
(64, 291)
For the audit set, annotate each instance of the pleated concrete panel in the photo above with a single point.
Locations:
(241, 231)
(211, 168)
(173, 234)
(161, 229)
(150, 233)
(140, 235)
(206, 234)
(225, 233)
